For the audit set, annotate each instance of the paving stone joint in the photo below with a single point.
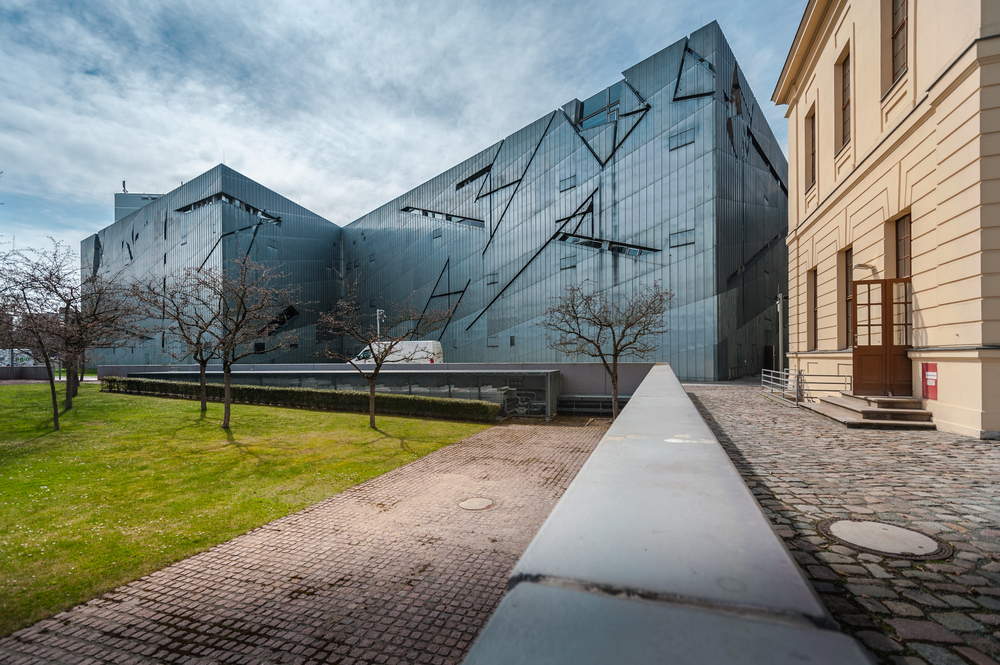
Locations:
(805, 469)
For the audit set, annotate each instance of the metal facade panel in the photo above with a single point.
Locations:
(501, 234)
(206, 221)
(641, 190)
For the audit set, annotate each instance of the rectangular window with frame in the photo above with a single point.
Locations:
(812, 283)
(903, 247)
(849, 296)
(811, 149)
(845, 101)
(898, 38)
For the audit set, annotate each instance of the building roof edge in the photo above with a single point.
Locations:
(811, 19)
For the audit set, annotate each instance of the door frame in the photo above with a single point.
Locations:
(883, 329)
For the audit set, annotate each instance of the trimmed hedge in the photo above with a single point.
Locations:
(311, 398)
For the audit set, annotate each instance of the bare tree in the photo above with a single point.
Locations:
(8, 328)
(607, 326)
(8, 334)
(59, 315)
(187, 311)
(106, 315)
(381, 334)
(38, 283)
(252, 309)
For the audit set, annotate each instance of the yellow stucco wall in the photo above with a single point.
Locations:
(928, 145)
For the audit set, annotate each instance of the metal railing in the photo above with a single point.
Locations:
(784, 383)
(797, 387)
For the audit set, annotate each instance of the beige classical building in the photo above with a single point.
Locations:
(894, 202)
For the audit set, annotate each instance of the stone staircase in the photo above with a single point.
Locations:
(874, 412)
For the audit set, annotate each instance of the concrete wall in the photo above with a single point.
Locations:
(922, 145)
(658, 552)
(36, 373)
(577, 378)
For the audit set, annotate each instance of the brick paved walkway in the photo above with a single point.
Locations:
(391, 571)
(804, 468)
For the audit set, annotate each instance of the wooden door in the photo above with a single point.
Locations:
(900, 294)
(883, 323)
(870, 375)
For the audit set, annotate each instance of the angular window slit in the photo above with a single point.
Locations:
(457, 219)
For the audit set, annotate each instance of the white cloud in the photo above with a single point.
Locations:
(340, 107)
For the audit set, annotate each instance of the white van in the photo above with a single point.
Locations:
(420, 351)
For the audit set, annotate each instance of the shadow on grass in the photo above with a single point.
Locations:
(403, 445)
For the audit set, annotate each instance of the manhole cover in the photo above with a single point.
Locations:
(881, 538)
(476, 503)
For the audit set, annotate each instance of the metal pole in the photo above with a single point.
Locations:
(781, 337)
(378, 322)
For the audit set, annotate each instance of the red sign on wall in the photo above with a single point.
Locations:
(929, 379)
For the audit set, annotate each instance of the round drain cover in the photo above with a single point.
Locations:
(476, 503)
(881, 538)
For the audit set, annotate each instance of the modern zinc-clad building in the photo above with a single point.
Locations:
(218, 216)
(668, 175)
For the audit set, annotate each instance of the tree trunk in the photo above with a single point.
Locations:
(204, 389)
(226, 368)
(73, 378)
(371, 402)
(55, 399)
(614, 389)
(69, 384)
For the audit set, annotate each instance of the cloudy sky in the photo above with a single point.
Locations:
(340, 106)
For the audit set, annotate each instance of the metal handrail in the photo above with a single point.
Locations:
(784, 382)
(795, 386)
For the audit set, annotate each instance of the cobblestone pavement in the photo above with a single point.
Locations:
(804, 468)
(390, 571)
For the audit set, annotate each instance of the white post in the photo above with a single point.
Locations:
(378, 322)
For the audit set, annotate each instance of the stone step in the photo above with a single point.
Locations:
(850, 418)
(878, 413)
(880, 402)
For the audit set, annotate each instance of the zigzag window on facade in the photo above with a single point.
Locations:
(682, 238)
(606, 245)
(602, 107)
(681, 139)
(457, 219)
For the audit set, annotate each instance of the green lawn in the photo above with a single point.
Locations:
(131, 484)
